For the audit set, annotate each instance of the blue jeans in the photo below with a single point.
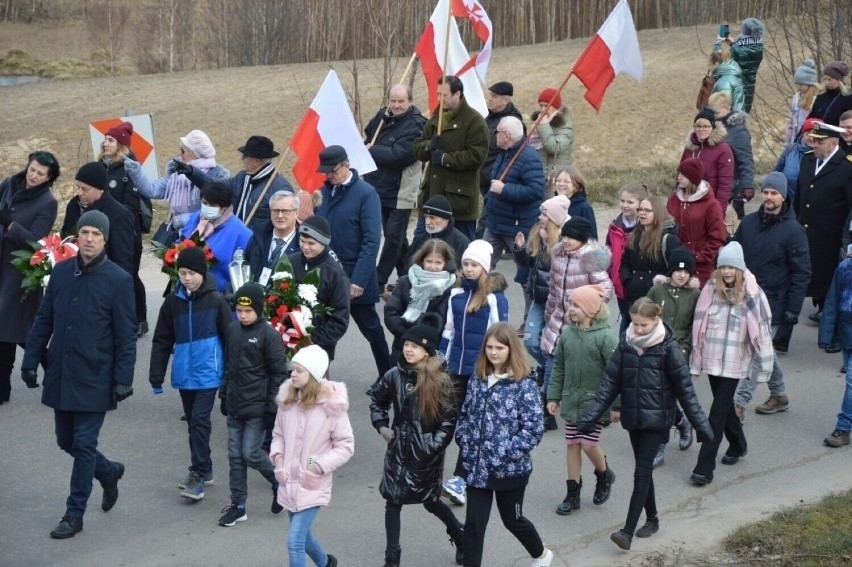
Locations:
(746, 388)
(844, 418)
(301, 541)
(245, 438)
(77, 434)
(533, 330)
(624, 311)
(197, 406)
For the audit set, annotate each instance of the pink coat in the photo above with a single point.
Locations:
(718, 160)
(322, 432)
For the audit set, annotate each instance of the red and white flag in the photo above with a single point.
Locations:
(473, 11)
(327, 122)
(430, 49)
(613, 50)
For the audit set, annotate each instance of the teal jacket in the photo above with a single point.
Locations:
(729, 77)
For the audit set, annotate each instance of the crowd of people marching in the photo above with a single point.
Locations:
(700, 288)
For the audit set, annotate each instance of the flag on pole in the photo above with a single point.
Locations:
(327, 122)
(473, 11)
(613, 50)
(430, 49)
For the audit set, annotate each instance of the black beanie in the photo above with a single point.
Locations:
(577, 228)
(425, 333)
(193, 259)
(438, 206)
(681, 259)
(317, 228)
(707, 115)
(94, 174)
(251, 295)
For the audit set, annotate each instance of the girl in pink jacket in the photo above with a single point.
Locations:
(311, 439)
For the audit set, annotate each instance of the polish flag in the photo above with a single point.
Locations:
(327, 122)
(430, 49)
(472, 11)
(613, 50)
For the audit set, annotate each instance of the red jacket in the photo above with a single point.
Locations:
(718, 160)
(616, 239)
(700, 227)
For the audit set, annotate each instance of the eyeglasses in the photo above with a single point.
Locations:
(282, 212)
(703, 127)
(642, 210)
(336, 169)
(44, 157)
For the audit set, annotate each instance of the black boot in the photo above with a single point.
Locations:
(392, 557)
(604, 482)
(572, 499)
(67, 527)
(549, 420)
(457, 539)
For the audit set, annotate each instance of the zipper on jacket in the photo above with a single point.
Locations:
(482, 427)
(464, 327)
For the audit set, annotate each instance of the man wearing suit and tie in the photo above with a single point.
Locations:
(274, 238)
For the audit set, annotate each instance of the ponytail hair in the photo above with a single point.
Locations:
(645, 307)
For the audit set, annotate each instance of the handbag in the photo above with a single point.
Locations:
(165, 235)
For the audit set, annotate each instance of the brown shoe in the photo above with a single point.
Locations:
(837, 439)
(773, 405)
(740, 411)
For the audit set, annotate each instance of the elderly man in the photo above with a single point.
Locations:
(397, 178)
(86, 324)
(454, 155)
(775, 249)
(438, 222)
(352, 209)
(823, 201)
(275, 238)
(248, 184)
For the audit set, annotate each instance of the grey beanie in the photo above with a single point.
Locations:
(317, 228)
(777, 181)
(806, 74)
(95, 219)
(731, 255)
(753, 27)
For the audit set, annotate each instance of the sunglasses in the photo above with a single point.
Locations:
(44, 157)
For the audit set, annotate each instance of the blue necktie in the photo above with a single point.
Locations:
(276, 252)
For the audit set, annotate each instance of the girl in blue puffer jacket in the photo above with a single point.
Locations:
(499, 425)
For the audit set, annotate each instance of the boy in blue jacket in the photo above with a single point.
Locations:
(193, 322)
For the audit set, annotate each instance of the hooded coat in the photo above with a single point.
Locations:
(739, 140)
(728, 77)
(414, 460)
(557, 142)
(322, 432)
(616, 238)
(747, 51)
(718, 161)
(678, 307)
(701, 227)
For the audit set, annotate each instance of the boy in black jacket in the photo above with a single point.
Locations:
(257, 366)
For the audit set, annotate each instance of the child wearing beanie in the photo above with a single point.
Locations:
(580, 355)
(477, 303)
(256, 368)
(424, 418)
(312, 421)
(727, 354)
(198, 363)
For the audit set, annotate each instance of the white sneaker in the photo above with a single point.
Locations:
(543, 561)
(455, 489)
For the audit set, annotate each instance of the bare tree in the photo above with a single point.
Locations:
(106, 22)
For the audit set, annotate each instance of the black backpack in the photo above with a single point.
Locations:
(146, 211)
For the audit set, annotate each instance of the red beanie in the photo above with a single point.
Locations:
(547, 94)
(692, 169)
(122, 133)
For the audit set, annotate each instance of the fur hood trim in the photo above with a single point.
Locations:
(663, 279)
(497, 281)
(559, 119)
(735, 118)
(704, 190)
(595, 258)
(717, 135)
(333, 396)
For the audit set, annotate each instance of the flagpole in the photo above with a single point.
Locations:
(535, 125)
(401, 81)
(266, 187)
(444, 68)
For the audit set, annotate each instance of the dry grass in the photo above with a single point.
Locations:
(637, 136)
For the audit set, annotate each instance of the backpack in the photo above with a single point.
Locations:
(146, 211)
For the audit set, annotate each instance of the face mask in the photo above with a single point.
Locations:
(210, 212)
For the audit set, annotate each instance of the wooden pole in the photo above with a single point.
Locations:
(401, 80)
(268, 183)
(535, 125)
(446, 56)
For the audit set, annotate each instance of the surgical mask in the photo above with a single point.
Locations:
(210, 212)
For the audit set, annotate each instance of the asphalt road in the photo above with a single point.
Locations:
(787, 465)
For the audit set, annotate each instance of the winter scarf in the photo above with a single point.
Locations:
(424, 287)
(205, 227)
(181, 193)
(251, 179)
(641, 344)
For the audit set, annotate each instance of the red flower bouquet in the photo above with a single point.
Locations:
(37, 263)
(169, 255)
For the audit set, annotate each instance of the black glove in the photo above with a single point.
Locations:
(223, 407)
(184, 168)
(791, 318)
(704, 434)
(122, 392)
(5, 218)
(586, 427)
(30, 378)
(438, 157)
(436, 143)
(269, 420)
(747, 193)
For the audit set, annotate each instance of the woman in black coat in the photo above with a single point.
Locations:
(649, 372)
(27, 213)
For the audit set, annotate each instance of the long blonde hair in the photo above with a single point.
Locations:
(305, 396)
(806, 100)
(479, 297)
(553, 237)
(434, 389)
(518, 366)
(735, 294)
(122, 152)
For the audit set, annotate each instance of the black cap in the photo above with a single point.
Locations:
(706, 114)
(425, 333)
(193, 258)
(504, 88)
(438, 206)
(330, 158)
(577, 228)
(317, 228)
(93, 174)
(681, 259)
(251, 295)
(259, 147)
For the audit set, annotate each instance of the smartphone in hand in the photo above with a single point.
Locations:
(724, 30)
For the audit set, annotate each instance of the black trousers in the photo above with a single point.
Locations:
(510, 504)
(365, 316)
(723, 419)
(460, 384)
(392, 519)
(645, 444)
(394, 252)
(138, 286)
(7, 363)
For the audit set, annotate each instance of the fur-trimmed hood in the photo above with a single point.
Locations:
(703, 191)
(596, 258)
(559, 119)
(664, 279)
(333, 396)
(735, 118)
(717, 135)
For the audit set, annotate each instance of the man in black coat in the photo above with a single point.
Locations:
(274, 238)
(438, 221)
(775, 249)
(823, 201)
(397, 179)
(87, 318)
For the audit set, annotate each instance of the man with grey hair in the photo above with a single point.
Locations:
(274, 238)
(512, 203)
